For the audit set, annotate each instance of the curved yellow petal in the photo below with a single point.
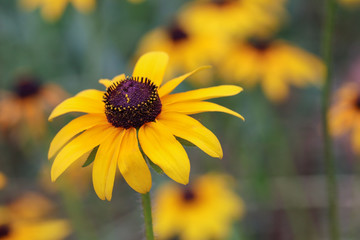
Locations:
(104, 168)
(193, 131)
(78, 104)
(91, 93)
(107, 83)
(132, 165)
(152, 65)
(172, 84)
(73, 128)
(78, 147)
(164, 150)
(84, 6)
(198, 107)
(202, 94)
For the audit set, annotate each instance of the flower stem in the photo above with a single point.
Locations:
(146, 203)
(330, 6)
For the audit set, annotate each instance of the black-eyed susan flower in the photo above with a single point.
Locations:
(344, 115)
(26, 218)
(23, 109)
(203, 210)
(186, 49)
(51, 10)
(241, 18)
(136, 112)
(274, 64)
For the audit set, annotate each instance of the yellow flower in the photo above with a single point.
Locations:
(186, 50)
(344, 115)
(232, 17)
(201, 211)
(3, 180)
(24, 219)
(350, 3)
(132, 112)
(273, 64)
(136, 1)
(51, 10)
(26, 106)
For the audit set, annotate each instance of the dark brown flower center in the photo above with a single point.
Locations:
(221, 3)
(132, 102)
(260, 44)
(188, 195)
(27, 86)
(4, 230)
(357, 102)
(177, 34)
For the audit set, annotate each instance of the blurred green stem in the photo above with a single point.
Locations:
(146, 203)
(330, 6)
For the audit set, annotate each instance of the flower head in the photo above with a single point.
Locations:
(241, 18)
(51, 10)
(135, 112)
(26, 105)
(345, 112)
(3, 180)
(274, 64)
(203, 210)
(26, 218)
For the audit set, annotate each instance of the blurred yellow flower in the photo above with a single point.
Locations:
(186, 50)
(203, 210)
(136, 1)
(273, 64)
(51, 10)
(134, 112)
(242, 18)
(344, 115)
(3, 180)
(23, 110)
(26, 219)
(350, 3)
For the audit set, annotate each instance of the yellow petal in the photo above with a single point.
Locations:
(78, 147)
(132, 165)
(104, 168)
(107, 83)
(193, 131)
(91, 93)
(198, 107)
(73, 128)
(165, 151)
(172, 84)
(78, 104)
(152, 65)
(84, 6)
(202, 94)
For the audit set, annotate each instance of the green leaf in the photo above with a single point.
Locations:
(91, 157)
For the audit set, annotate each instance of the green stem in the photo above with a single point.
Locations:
(146, 203)
(328, 155)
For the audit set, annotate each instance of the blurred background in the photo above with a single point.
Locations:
(51, 50)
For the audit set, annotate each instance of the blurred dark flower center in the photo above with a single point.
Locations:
(260, 44)
(132, 102)
(4, 230)
(188, 195)
(27, 86)
(222, 2)
(357, 102)
(177, 34)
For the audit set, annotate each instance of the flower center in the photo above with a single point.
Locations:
(188, 195)
(357, 102)
(4, 230)
(132, 102)
(27, 86)
(260, 44)
(177, 34)
(221, 3)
